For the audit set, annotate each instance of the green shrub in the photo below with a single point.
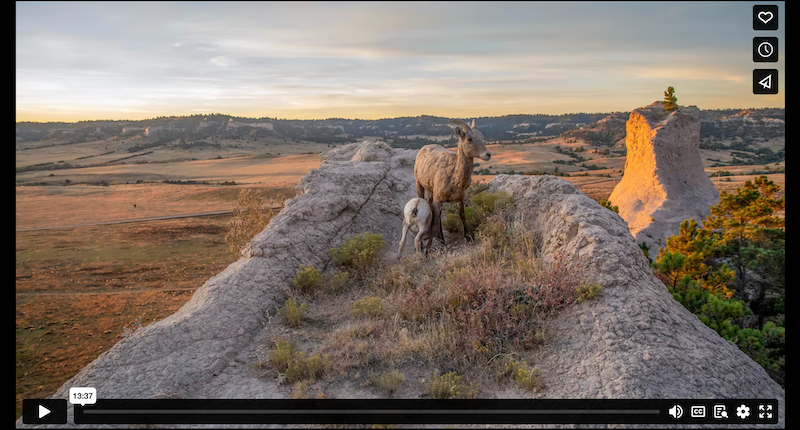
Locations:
(312, 368)
(296, 367)
(450, 386)
(282, 355)
(523, 376)
(368, 307)
(588, 291)
(303, 390)
(359, 252)
(452, 222)
(607, 204)
(291, 313)
(493, 231)
(389, 382)
(480, 206)
(308, 280)
(489, 202)
(337, 282)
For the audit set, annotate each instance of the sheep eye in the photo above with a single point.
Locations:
(470, 139)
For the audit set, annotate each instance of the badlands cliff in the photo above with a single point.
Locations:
(664, 182)
(635, 341)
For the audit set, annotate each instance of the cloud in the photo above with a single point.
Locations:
(354, 57)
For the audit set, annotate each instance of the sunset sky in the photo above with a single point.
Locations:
(80, 61)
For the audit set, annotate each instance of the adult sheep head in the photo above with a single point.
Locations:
(470, 140)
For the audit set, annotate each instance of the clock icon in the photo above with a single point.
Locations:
(765, 49)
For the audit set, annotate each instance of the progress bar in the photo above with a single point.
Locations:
(367, 411)
(419, 411)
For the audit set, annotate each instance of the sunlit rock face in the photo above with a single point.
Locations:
(664, 181)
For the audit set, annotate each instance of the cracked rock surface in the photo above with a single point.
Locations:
(635, 341)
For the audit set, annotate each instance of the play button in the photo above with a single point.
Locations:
(44, 411)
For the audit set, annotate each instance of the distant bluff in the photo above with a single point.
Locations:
(635, 341)
(664, 181)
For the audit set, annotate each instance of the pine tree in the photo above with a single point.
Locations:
(670, 101)
(753, 235)
(688, 252)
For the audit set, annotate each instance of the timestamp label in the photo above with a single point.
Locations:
(82, 395)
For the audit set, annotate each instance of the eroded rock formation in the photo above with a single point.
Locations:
(664, 181)
(636, 341)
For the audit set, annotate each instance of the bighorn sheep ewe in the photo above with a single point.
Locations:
(444, 176)
(417, 214)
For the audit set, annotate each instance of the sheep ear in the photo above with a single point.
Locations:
(459, 132)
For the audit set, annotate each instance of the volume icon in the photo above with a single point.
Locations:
(676, 411)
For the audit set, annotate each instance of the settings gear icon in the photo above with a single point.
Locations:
(743, 411)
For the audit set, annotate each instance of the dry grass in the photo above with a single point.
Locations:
(250, 217)
(458, 310)
(77, 289)
(56, 205)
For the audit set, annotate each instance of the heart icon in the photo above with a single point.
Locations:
(765, 17)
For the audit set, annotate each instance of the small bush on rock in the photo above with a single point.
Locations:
(312, 368)
(451, 386)
(607, 204)
(308, 280)
(368, 307)
(292, 313)
(480, 206)
(358, 252)
(588, 291)
(521, 374)
(389, 382)
(337, 282)
(282, 355)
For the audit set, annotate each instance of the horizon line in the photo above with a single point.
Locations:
(361, 119)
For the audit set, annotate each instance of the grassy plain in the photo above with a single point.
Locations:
(77, 288)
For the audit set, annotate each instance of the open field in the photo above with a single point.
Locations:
(87, 153)
(77, 288)
(246, 169)
(51, 206)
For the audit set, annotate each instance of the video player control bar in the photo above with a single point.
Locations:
(406, 411)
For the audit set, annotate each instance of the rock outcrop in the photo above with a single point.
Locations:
(635, 341)
(664, 181)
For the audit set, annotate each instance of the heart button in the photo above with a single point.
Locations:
(765, 17)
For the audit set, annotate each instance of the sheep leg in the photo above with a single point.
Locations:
(436, 207)
(402, 240)
(418, 241)
(467, 236)
(421, 191)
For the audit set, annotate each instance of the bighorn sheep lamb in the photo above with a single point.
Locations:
(417, 214)
(444, 176)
